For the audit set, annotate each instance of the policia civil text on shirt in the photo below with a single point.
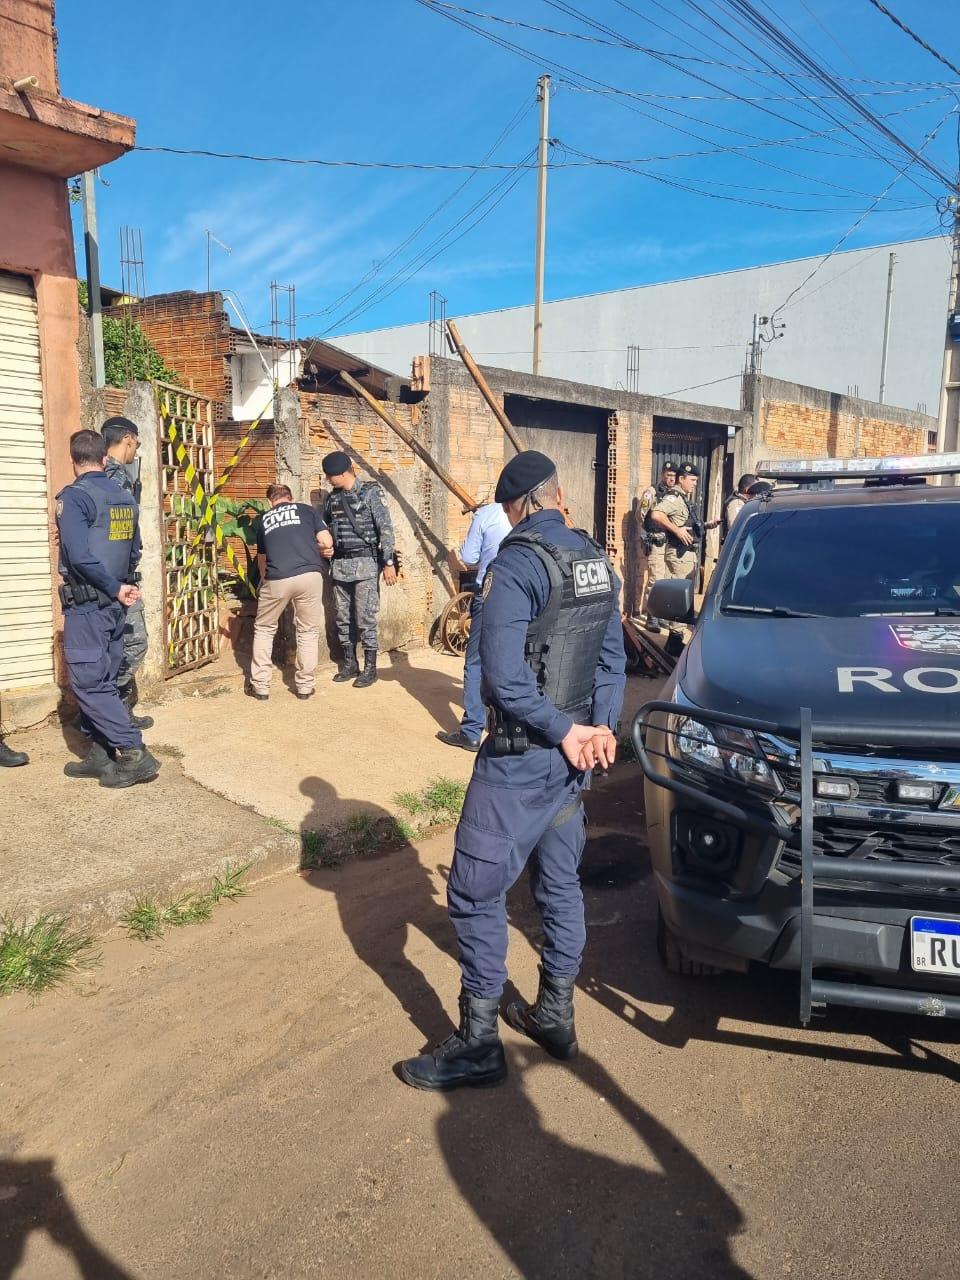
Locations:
(552, 673)
(121, 439)
(363, 548)
(652, 539)
(290, 540)
(99, 552)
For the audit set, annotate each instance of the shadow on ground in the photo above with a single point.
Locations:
(558, 1209)
(34, 1201)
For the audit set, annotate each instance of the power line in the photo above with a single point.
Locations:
(668, 395)
(398, 249)
(862, 217)
(913, 36)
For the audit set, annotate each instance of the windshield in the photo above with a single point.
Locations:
(848, 562)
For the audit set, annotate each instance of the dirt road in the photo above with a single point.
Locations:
(223, 1105)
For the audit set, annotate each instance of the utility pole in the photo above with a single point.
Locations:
(886, 329)
(91, 251)
(948, 427)
(755, 344)
(543, 97)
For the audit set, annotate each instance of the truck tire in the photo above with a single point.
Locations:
(673, 958)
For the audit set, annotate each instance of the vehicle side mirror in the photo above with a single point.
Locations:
(671, 599)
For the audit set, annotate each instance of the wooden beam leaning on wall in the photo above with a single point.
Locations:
(412, 443)
(484, 387)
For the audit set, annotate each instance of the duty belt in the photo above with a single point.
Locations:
(73, 592)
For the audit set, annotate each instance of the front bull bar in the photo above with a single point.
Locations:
(815, 993)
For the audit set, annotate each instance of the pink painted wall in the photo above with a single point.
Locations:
(27, 45)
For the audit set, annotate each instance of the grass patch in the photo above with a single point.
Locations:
(625, 748)
(361, 836)
(149, 918)
(35, 957)
(437, 805)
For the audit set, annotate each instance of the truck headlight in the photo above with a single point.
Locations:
(720, 749)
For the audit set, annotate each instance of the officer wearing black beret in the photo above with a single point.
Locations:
(363, 547)
(552, 676)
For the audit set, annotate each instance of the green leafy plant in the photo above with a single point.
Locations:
(128, 353)
(37, 956)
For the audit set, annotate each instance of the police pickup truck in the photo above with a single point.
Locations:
(802, 766)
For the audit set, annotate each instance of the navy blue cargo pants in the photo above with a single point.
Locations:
(518, 810)
(93, 650)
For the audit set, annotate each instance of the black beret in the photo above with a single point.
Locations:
(759, 489)
(669, 465)
(122, 424)
(688, 469)
(335, 464)
(523, 473)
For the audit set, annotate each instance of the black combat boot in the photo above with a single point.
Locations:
(9, 759)
(131, 766)
(550, 1020)
(369, 673)
(128, 696)
(348, 667)
(91, 766)
(472, 1056)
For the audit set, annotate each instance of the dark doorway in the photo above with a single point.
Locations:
(576, 438)
(679, 441)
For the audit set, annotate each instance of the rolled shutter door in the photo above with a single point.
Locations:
(26, 613)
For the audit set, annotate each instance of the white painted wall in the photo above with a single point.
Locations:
(252, 388)
(697, 330)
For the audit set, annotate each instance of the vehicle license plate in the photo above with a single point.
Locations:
(936, 945)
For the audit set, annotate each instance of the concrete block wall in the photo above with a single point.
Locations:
(191, 331)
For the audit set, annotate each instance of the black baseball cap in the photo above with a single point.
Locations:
(688, 469)
(336, 463)
(526, 471)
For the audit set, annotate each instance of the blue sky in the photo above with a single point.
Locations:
(389, 80)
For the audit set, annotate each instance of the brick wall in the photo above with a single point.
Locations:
(805, 422)
(191, 331)
(330, 422)
(476, 454)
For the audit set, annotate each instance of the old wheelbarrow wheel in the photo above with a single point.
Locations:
(455, 623)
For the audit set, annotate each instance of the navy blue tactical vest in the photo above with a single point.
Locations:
(563, 644)
(350, 543)
(111, 534)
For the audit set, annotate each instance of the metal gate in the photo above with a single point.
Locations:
(676, 445)
(190, 610)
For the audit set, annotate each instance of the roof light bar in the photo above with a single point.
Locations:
(796, 469)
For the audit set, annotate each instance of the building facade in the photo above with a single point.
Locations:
(44, 140)
(692, 337)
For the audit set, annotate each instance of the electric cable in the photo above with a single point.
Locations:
(913, 36)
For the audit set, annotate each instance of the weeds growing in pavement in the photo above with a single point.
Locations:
(148, 918)
(35, 957)
(437, 805)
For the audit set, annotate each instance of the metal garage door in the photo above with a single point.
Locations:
(26, 615)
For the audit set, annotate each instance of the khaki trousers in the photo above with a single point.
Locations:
(656, 569)
(681, 561)
(305, 592)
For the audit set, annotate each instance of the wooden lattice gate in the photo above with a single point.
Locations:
(190, 612)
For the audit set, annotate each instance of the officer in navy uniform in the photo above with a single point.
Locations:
(99, 552)
(552, 672)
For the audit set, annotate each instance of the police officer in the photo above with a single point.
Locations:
(552, 663)
(363, 547)
(677, 515)
(99, 552)
(737, 501)
(488, 528)
(122, 440)
(652, 539)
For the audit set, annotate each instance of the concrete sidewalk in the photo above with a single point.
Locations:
(241, 780)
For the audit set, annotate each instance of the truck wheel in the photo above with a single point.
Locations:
(673, 958)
